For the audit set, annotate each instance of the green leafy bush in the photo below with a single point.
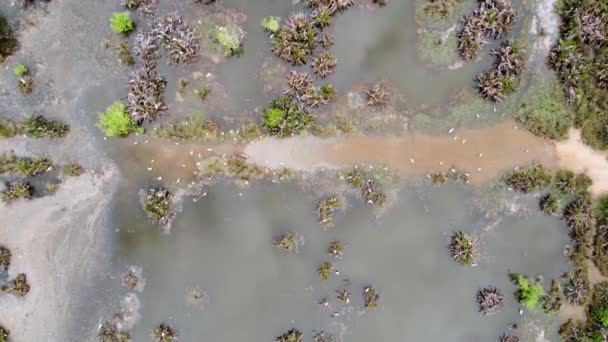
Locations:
(20, 70)
(116, 121)
(284, 118)
(120, 22)
(271, 24)
(529, 293)
(600, 315)
(229, 38)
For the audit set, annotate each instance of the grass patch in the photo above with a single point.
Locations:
(121, 22)
(40, 127)
(545, 112)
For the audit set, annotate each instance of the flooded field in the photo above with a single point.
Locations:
(208, 218)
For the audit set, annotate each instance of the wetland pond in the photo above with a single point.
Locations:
(212, 272)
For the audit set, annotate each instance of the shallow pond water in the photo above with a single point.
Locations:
(223, 245)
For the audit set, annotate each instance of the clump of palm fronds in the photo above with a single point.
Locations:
(130, 280)
(158, 205)
(145, 99)
(492, 19)
(15, 191)
(490, 300)
(286, 242)
(324, 64)
(178, 38)
(322, 336)
(336, 248)
(165, 333)
(18, 286)
(293, 335)
(111, 331)
(370, 297)
(4, 333)
(298, 84)
(463, 248)
(576, 288)
(332, 6)
(5, 258)
(130, 4)
(295, 40)
(325, 210)
(508, 338)
(377, 96)
(324, 270)
(502, 80)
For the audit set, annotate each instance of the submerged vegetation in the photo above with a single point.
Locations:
(18, 286)
(111, 331)
(5, 258)
(463, 248)
(8, 42)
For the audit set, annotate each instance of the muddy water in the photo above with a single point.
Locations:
(222, 245)
(484, 153)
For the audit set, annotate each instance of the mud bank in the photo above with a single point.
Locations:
(484, 153)
(58, 242)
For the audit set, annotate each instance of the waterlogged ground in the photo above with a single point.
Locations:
(220, 243)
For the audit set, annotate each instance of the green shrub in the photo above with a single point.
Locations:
(120, 22)
(271, 24)
(284, 118)
(116, 121)
(30, 168)
(73, 170)
(546, 113)
(529, 293)
(8, 129)
(228, 38)
(532, 178)
(273, 117)
(600, 315)
(15, 191)
(40, 127)
(20, 70)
